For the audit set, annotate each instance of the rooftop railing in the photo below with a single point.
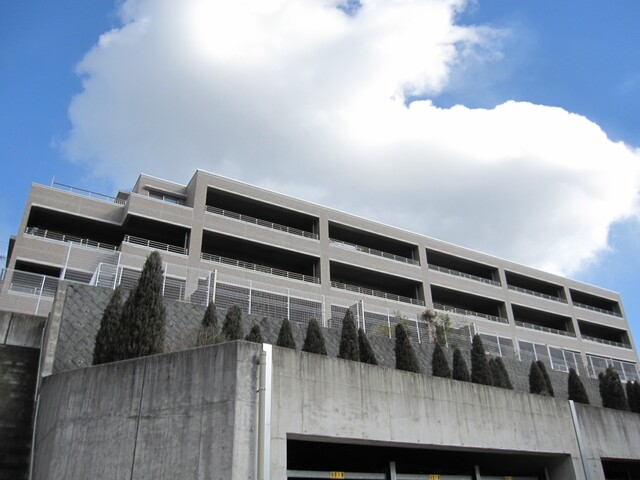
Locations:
(597, 309)
(376, 293)
(87, 193)
(606, 342)
(165, 247)
(537, 294)
(540, 328)
(462, 311)
(372, 251)
(258, 268)
(62, 237)
(464, 275)
(262, 223)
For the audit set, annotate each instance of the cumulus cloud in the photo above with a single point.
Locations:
(310, 100)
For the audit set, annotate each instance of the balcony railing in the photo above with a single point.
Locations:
(462, 311)
(258, 268)
(262, 223)
(606, 342)
(464, 275)
(87, 193)
(372, 251)
(165, 247)
(597, 309)
(376, 293)
(537, 294)
(61, 237)
(540, 328)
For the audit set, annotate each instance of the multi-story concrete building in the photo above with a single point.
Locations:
(230, 242)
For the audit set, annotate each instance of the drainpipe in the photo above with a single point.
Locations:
(264, 413)
(581, 450)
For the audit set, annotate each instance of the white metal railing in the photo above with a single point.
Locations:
(258, 268)
(262, 223)
(462, 311)
(597, 309)
(376, 293)
(372, 251)
(537, 294)
(62, 237)
(464, 275)
(87, 193)
(165, 247)
(606, 342)
(540, 328)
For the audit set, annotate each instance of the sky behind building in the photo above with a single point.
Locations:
(506, 127)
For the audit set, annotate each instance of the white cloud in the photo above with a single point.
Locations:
(300, 97)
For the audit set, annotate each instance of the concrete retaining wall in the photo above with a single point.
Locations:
(183, 415)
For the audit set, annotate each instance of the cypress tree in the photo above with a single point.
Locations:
(285, 336)
(460, 369)
(480, 371)
(254, 335)
(314, 340)
(611, 390)
(633, 396)
(576, 389)
(547, 379)
(367, 355)
(349, 349)
(208, 330)
(439, 363)
(108, 344)
(440, 335)
(143, 313)
(405, 356)
(537, 384)
(232, 327)
(499, 373)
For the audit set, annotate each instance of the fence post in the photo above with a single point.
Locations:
(388, 323)
(250, 290)
(215, 285)
(288, 304)
(418, 330)
(44, 278)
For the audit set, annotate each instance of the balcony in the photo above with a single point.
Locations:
(457, 273)
(541, 328)
(372, 251)
(376, 293)
(208, 257)
(87, 193)
(597, 309)
(61, 237)
(605, 342)
(261, 223)
(462, 311)
(537, 294)
(164, 247)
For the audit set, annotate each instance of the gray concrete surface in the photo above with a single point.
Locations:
(183, 415)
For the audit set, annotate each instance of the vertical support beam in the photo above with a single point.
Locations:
(215, 285)
(288, 304)
(44, 278)
(264, 413)
(66, 262)
(477, 470)
(250, 290)
(392, 471)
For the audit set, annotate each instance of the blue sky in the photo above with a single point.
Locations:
(265, 101)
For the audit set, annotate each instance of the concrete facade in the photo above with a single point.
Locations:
(215, 232)
(194, 414)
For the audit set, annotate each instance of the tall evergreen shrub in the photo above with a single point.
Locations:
(208, 330)
(499, 374)
(480, 371)
(439, 363)
(108, 344)
(314, 340)
(633, 396)
(547, 379)
(232, 327)
(611, 390)
(576, 389)
(460, 369)
(405, 356)
(367, 355)
(537, 384)
(285, 336)
(143, 313)
(255, 334)
(349, 349)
